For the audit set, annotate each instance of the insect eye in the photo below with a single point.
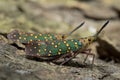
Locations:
(63, 36)
(89, 39)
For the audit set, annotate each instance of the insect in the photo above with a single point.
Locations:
(29, 37)
(62, 48)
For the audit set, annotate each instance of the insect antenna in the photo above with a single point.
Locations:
(76, 28)
(73, 30)
(101, 28)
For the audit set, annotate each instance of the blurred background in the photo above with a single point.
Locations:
(62, 16)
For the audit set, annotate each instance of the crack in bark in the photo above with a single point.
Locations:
(104, 76)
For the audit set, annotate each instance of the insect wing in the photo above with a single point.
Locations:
(36, 49)
(29, 37)
(14, 35)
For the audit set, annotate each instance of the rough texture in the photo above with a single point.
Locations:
(60, 17)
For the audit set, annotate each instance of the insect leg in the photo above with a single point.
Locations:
(63, 56)
(88, 52)
(71, 57)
